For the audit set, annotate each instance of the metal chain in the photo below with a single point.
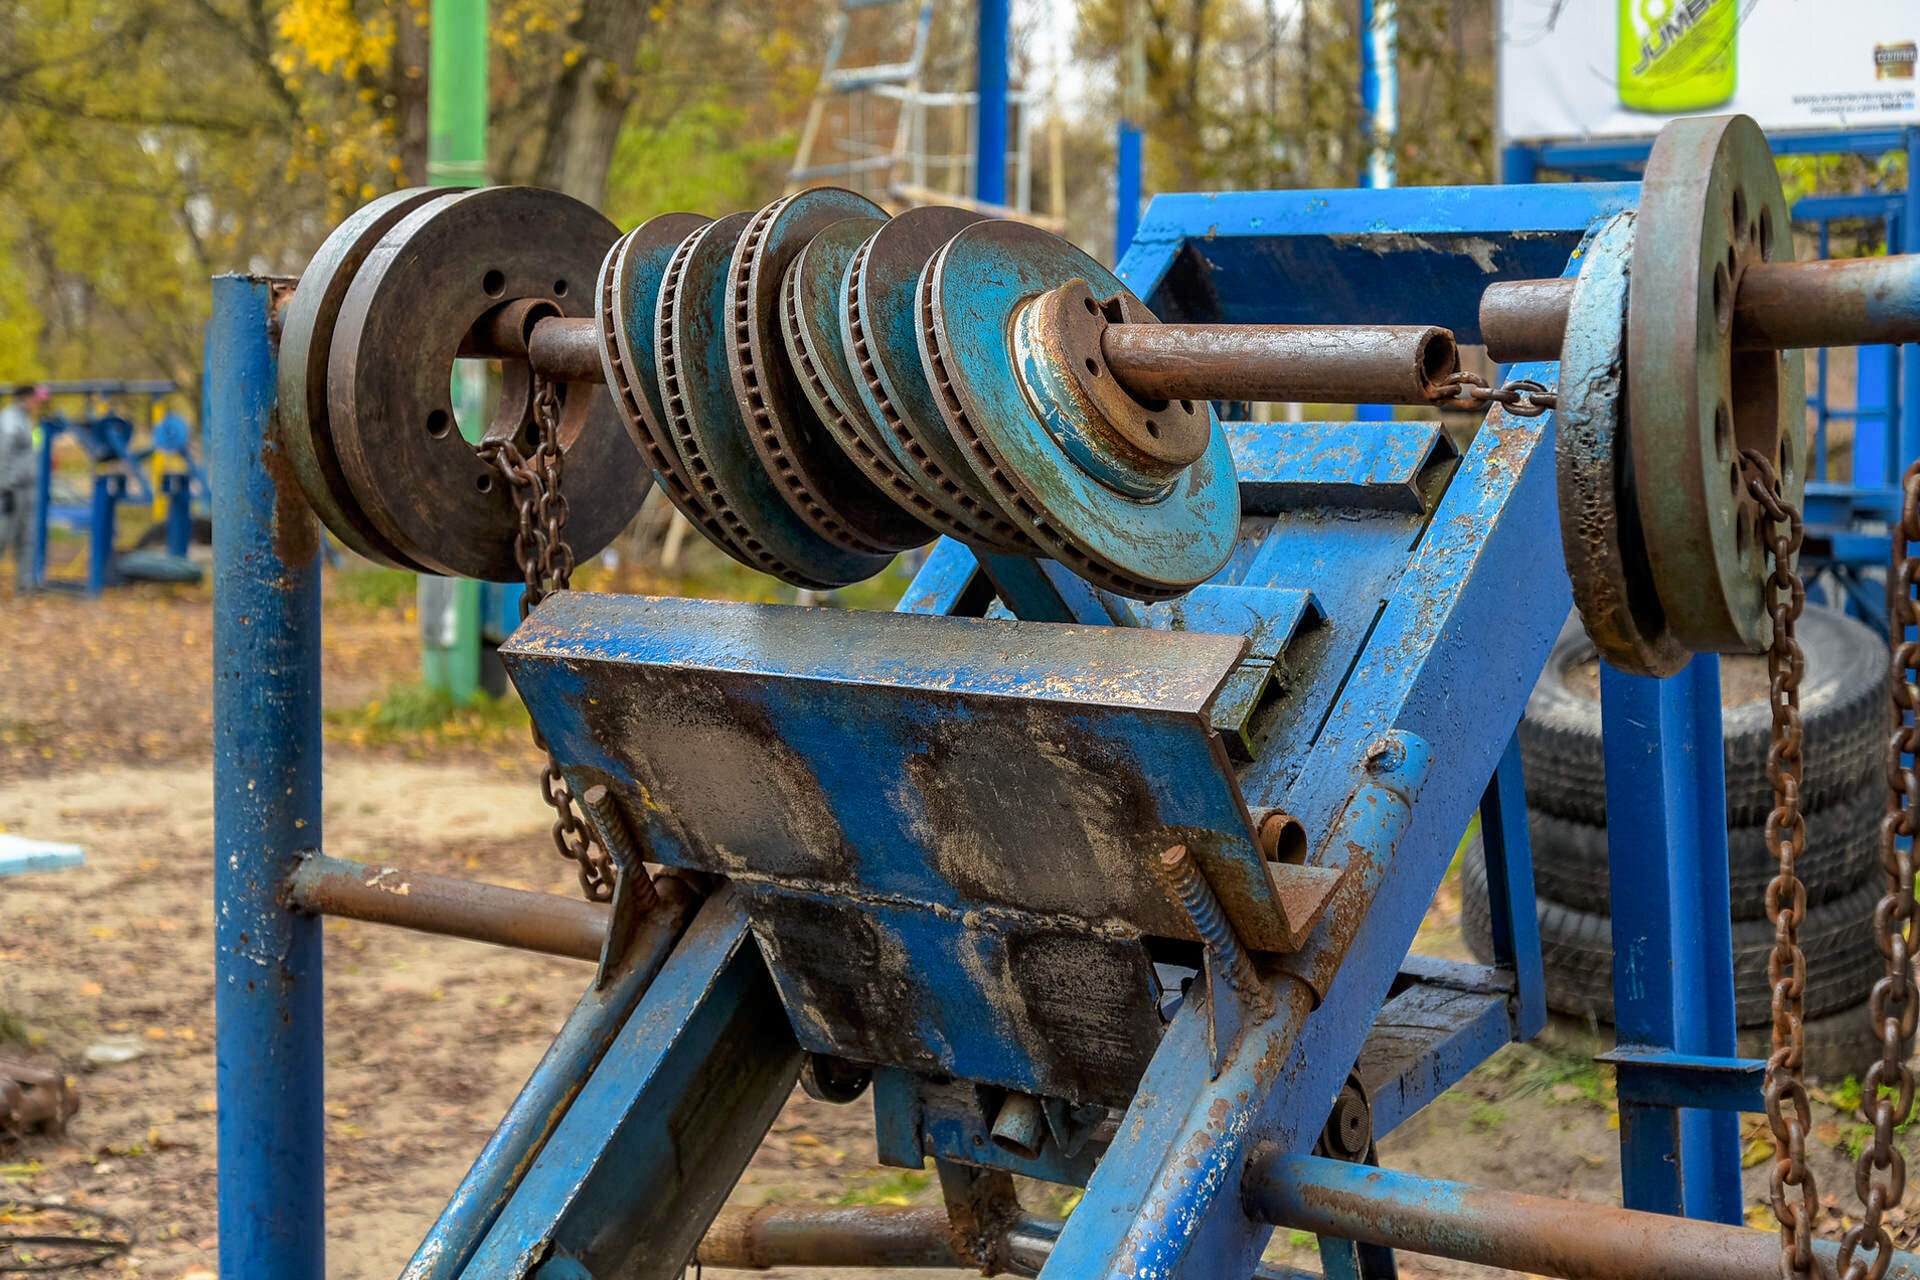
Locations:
(1789, 1112)
(1880, 1174)
(546, 560)
(1522, 397)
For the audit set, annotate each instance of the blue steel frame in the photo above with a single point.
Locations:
(1888, 388)
(1448, 641)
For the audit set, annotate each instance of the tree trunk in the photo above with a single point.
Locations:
(408, 85)
(590, 98)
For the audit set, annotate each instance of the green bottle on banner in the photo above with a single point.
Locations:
(1677, 55)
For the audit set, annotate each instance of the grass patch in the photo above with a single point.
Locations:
(896, 1186)
(1485, 1116)
(418, 713)
(375, 587)
(14, 1031)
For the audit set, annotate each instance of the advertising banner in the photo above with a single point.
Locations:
(1622, 68)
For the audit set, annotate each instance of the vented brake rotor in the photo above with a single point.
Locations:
(1139, 498)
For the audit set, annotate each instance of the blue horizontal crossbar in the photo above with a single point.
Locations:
(1655, 1077)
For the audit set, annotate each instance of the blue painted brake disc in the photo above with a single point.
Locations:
(820, 482)
(812, 302)
(693, 333)
(879, 329)
(629, 292)
(1102, 504)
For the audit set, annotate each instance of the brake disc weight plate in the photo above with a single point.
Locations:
(1599, 520)
(306, 338)
(819, 480)
(629, 296)
(1710, 206)
(389, 378)
(694, 327)
(881, 328)
(1147, 545)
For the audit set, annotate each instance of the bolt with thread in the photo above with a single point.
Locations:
(621, 846)
(1189, 884)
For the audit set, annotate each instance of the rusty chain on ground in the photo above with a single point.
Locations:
(1789, 1112)
(1887, 1087)
(1522, 397)
(547, 561)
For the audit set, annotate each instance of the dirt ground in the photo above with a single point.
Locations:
(106, 971)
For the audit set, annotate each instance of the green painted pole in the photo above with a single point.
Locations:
(456, 157)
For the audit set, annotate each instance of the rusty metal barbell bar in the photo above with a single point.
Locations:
(519, 918)
(1337, 364)
(1539, 1235)
(1780, 306)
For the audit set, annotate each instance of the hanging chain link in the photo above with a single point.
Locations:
(546, 560)
(1522, 397)
(1880, 1175)
(1789, 1112)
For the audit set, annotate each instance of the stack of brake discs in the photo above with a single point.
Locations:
(816, 387)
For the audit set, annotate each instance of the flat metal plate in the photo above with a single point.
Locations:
(1003, 786)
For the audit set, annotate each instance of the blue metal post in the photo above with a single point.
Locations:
(178, 486)
(1910, 354)
(108, 489)
(266, 769)
(1672, 931)
(1519, 163)
(42, 503)
(990, 133)
(1379, 89)
(1126, 220)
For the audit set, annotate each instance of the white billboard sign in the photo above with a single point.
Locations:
(1623, 68)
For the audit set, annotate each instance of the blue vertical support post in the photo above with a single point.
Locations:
(178, 486)
(1519, 163)
(266, 771)
(1379, 89)
(990, 132)
(1126, 219)
(1909, 433)
(42, 504)
(1672, 934)
(108, 489)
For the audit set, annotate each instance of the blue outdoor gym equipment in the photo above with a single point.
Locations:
(1099, 860)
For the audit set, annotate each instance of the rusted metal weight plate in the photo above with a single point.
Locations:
(1599, 520)
(403, 320)
(1140, 498)
(306, 339)
(811, 300)
(694, 328)
(629, 295)
(817, 478)
(880, 328)
(1711, 206)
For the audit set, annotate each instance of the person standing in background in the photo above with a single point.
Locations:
(17, 482)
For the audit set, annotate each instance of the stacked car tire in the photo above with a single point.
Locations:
(1843, 708)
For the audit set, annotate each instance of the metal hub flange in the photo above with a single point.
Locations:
(306, 341)
(414, 300)
(881, 334)
(815, 475)
(1135, 447)
(1600, 531)
(1710, 206)
(1146, 547)
(711, 433)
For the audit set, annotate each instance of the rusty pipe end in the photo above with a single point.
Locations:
(1525, 320)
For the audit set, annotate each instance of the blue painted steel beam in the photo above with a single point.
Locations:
(1510, 898)
(543, 1101)
(266, 773)
(1410, 255)
(1654, 1078)
(1129, 143)
(1672, 936)
(656, 1140)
